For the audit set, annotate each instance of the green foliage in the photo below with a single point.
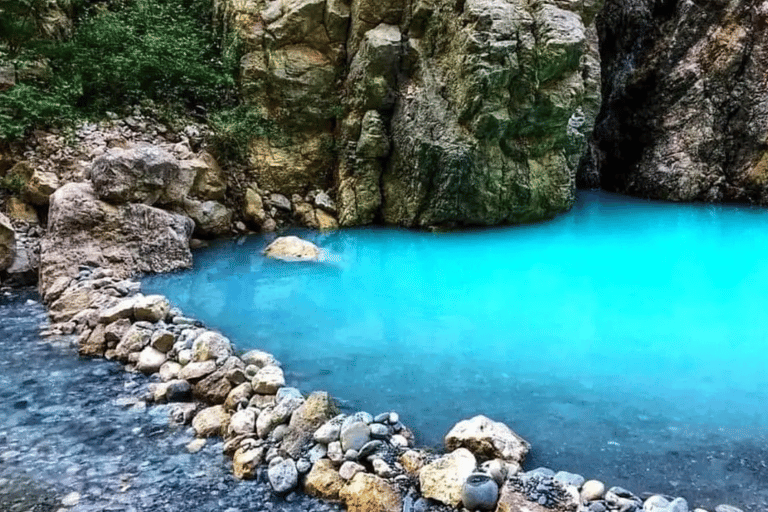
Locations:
(12, 183)
(123, 52)
(27, 105)
(235, 127)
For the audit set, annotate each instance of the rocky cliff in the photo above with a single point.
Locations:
(685, 112)
(419, 112)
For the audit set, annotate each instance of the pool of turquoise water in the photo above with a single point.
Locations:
(626, 339)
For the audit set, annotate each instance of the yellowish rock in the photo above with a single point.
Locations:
(324, 481)
(443, 479)
(370, 493)
(211, 421)
(412, 461)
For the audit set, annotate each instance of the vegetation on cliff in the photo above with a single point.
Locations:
(120, 53)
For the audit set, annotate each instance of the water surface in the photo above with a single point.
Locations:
(626, 340)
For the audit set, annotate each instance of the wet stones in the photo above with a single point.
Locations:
(283, 475)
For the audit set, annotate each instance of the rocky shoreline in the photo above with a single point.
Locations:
(366, 462)
(105, 226)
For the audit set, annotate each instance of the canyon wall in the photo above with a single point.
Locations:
(418, 112)
(685, 101)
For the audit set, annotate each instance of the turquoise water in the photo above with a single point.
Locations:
(625, 339)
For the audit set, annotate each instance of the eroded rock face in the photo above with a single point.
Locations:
(7, 242)
(420, 113)
(127, 238)
(686, 108)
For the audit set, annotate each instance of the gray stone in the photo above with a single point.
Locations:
(379, 431)
(349, 469)
(354, 436)
(197, 370)
(567, 478)
(268, 380)
(370, 448)
(727, 508)
(283, 476)
(150, 360)
(329, 431)
(479, 492)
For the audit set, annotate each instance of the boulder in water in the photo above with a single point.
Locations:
(487, 439)
(292, 248)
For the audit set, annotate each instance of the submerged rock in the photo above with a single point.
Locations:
(292, 248)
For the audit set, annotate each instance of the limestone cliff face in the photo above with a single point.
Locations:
(685, 113)
(421, 112)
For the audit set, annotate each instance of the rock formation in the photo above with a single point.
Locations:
(420, 113)
(685, 112)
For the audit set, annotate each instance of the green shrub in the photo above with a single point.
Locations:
(235, 127)
(128, 52)
(12, 183)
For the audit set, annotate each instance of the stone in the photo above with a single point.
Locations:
(162, 340)
(7, 242)
(150, 360)
(349, 469)
(323, 481)
(71, 500)
(211, 421)
(370, 493)
(412, 461)
(268, 380)
(382, 469)
(243, 422)
(334, 452)
(151, 308)
(196, 445)
(283, 476)
(259, 358)
(592, 490)
(127, 238)
(314, 412)
(94, 345)
(480, 492)
(136, 175)
(40, 186)
(210, 181)
(134, 340)
(330, 431)
(115, 331)
(241, 393)
(727, 508)
(197, 370)
(178, 390)
(487, 439)
(212, 219)
(253, 208)
(355, 436)
(323, 201)
(292, 248)
(246, 462)
(215, 387)
(280, 202)
(568, 479)
(211, 346)
(280, 413)
(379, 431)
(444, 478)
(18, 210)
(121, 310)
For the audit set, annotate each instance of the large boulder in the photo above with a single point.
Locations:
(370, 493)
(487, 439)
(211, 421)
(292, 248)
(211, 218)
(136, 175)
(7, 242)
(443, 479)
(128, 238)
(685, 115)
